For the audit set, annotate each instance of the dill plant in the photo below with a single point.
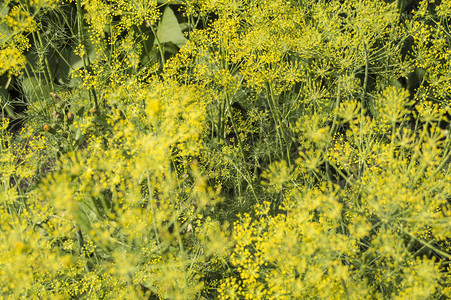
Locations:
(286, 150)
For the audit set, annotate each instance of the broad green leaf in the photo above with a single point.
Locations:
(169, 29)
(35, 90)
(184, 26)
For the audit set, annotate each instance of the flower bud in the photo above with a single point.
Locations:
(55, 96)
(70, 116)
(56, 114)
(47, 127)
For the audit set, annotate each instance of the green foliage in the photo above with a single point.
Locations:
(225, 149)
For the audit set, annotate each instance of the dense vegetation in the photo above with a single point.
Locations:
(242, 149)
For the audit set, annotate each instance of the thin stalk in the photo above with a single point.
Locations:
(221, 110)
(363, 105)
(144, 41)
(47, 76)
(333, 129)
(46, 61)
(273, 115)
(429, 245)
(246, 176)
(235, 129)
(348, 180)
(415, 155)
(278, 119)
(41, 103)
(160, 47)
(222, 105)
(61, 56)
(232, 120)
(40, 55)
(337, 103)
(149, 188)
(81, 245)
(445, 160)
(85, 58)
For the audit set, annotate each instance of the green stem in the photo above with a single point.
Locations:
(268, 95)
(221, 106)
(277, 118)
(149, 188)
(240, 145)
(85, 58)
(235, 129)
(333, 129)
(40, 100)
(143, 41)
(160, 47)
(363, 105)
(348, 180)
(429, 245)
(46, 61)
(81, 244)
(337, 103)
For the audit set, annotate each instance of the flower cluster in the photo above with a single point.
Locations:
(225, 150)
